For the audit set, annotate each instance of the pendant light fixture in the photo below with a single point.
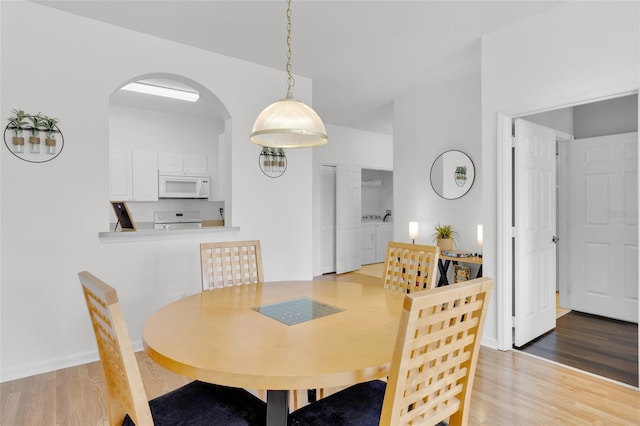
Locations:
(288, 123)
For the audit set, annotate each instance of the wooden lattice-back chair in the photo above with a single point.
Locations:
(193, 404)
(432, 369)
(411, 267)
(230, 263)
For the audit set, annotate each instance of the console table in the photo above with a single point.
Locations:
(445, 261)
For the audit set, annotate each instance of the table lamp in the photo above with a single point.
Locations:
(479, 235)
(413, 231)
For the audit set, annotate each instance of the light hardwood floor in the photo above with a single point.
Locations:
(511, 389)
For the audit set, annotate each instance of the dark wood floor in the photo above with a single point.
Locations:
(591, 343)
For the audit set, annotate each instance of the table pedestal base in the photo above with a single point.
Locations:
(277, 407)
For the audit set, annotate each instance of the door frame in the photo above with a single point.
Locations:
(563, 141)
(504, 229)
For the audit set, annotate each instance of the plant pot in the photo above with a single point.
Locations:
(35, 144)
(51, 145)
(446, 244)
(18, 144)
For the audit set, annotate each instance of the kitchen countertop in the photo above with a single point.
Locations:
(145, 231)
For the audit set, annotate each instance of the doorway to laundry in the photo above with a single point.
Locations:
(596, 261)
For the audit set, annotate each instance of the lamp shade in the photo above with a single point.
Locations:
(288, 123)
(479, 234)
(413, 230)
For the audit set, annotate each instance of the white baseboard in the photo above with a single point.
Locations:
(489, 342)
(54, 364)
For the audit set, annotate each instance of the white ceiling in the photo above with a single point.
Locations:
(359, 54)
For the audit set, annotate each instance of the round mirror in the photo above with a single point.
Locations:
(452, 174)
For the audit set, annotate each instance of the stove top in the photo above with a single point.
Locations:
(177, 220)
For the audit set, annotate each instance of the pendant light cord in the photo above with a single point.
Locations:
(290, 80)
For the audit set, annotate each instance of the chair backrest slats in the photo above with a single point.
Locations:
(436, 354)
(231, 263)
(411, 267)
(125, 390)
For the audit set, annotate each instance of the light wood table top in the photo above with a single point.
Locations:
(216, 336)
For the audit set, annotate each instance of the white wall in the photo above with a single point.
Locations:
(57, 208)
(429, 121)
(377, 198)
(574, 53)
(558, 119)
(610, 117)
(346, 146)
(148, 130)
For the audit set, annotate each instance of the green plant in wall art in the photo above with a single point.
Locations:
(50, 128)
(37, 121)
(461, 175)
(17, 123)
(35, 124)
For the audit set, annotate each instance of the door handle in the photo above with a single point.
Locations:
(555, 240)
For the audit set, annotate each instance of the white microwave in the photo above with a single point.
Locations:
(183, 186)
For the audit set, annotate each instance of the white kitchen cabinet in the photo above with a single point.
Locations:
(374, 240)
(182, 164)
(195, 164)
(133, 176)
(170, 163)
(368, 243)
(384, 234)
(145, 176)
(120, 188)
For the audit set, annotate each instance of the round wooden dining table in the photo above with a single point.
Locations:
(278, 336)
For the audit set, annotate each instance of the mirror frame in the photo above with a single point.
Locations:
(473, 178)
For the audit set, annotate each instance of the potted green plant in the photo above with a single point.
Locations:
(49, 125)
(34, 140)
(445, 236)
(265, 157)
(461, 175)
(18, 123)
(281, 159)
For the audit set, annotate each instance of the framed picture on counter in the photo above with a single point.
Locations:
(123, 216)
(461, 273)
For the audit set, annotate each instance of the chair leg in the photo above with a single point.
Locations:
(311, 395)
(296, 401)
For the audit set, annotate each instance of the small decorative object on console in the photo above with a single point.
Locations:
(461, 273)
(457, 253)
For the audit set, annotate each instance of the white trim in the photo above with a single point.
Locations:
(504, 249)
(489, 342)
(563, 220)
(56, 364)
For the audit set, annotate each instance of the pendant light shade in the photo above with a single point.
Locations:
(288, 123)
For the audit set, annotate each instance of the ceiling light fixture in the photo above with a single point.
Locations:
(288, 123)
(166, 92)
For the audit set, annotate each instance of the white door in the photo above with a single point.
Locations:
(348, 218)
(328, 220)
(603, 226)
(535, 227)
